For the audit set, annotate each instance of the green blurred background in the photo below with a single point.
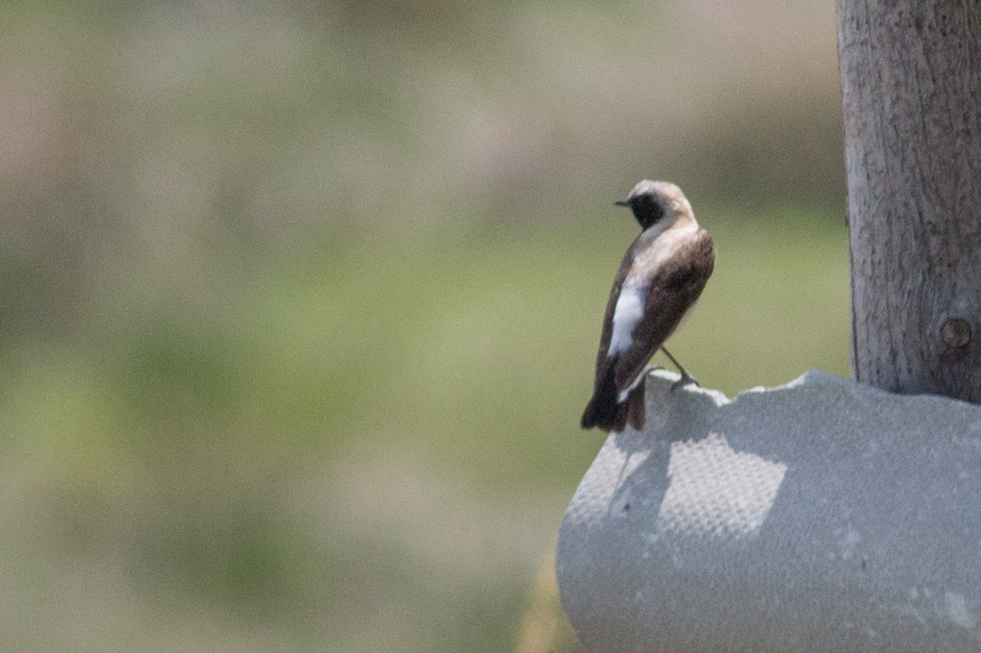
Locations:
(299, 300)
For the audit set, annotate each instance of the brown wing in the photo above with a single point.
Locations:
(672, 292)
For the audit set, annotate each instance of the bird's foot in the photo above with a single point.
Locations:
(685, 379)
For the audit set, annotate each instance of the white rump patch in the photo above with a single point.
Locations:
(628, 312)
(622, 397)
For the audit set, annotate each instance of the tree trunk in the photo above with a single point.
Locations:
(911, 93)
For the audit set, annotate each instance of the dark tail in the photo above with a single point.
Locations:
(605, 412)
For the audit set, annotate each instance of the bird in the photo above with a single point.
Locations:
(659, 281)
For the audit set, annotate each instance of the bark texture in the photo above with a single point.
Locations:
(911, 94)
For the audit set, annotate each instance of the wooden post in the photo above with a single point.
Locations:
(911, 93)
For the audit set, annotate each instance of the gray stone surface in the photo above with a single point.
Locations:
(822, 515)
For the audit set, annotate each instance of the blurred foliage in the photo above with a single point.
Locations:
(299, 300)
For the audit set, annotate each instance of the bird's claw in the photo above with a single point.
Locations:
(685, 379)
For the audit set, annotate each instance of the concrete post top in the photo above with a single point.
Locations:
(823, 515)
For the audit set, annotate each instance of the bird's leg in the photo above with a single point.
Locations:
(685, 379)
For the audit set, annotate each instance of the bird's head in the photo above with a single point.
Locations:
(655, 201)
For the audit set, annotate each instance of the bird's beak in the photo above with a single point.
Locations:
(622, 203)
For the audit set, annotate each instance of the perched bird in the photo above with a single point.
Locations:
(659, 280)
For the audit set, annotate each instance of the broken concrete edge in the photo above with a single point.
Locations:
(818, 515)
